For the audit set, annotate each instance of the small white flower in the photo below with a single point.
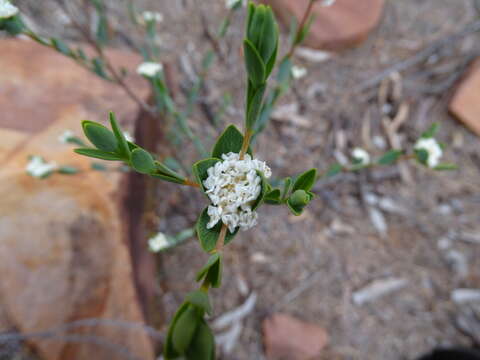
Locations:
(149, 69)
(158, 243)
(128, 136)
(229, 4)
(361, 156)
(432, 147)
(7, 10)
(327, 3)
(66, 136)
(233, 185)
(152, 16)
(37, 167)
(298, 72)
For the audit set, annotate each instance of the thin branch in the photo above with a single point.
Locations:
(85, 33)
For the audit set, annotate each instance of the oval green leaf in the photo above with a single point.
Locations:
(100, 136)
(142, 161)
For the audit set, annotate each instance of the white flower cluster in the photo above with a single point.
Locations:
(66, 136)
(37, 167)
(298, 72)
(233, 185)
(361, 156)
(158, 243)
(149, 69)
(7, 10)
(152, 16)
(128, 136)
(432, 147)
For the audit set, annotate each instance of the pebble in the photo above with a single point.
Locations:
(377, 289)
(463, 296)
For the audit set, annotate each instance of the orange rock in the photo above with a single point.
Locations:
(286, 337)
(345, 24)
(464, 104)
(63, 246)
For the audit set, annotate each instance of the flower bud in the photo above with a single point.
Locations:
(262, 33)
(299, 199)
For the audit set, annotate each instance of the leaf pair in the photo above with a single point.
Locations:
(189, 336)
(111, 145)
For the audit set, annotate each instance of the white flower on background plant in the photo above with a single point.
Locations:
(229, 4)
(158, 243)
(152, 16)
(149, 69)
(37, 167)
(327, 3)
(7, 10)
(361, 156)
(298, 72)
(233, 185)
(128, 136)
(432, 147)
(66, 136)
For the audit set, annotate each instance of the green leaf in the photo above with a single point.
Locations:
(122, 142)
(165, 170)
(202, 346)
(268, 40)
(200, 169)
(284, 71)
(98, 154)
(142, 161)
(254, 106)
(422, 156)
(60, 46)
(250, 15)
(306, 180)
(212, 271)
(333, 170)
(298, 200)
(214, 274)
(270, 64)
(261, 197)
(211, 261)
(68, 170)
(254, 64)
(231, 140)
(446, 167)
(208, 237)
(431, 132)
(169, 351)
(171, 179)
(14, 26)
(390, 157)
(100, 136)
(184, 329)
(200, 299)
(98, 68)
(287, 184)
(303, 32)
(255, 28)
(273, 197)
(102, 30)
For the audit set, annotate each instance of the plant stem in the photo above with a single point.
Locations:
(304, 20)
(221, 238)
(191, 183)
(246, 142)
